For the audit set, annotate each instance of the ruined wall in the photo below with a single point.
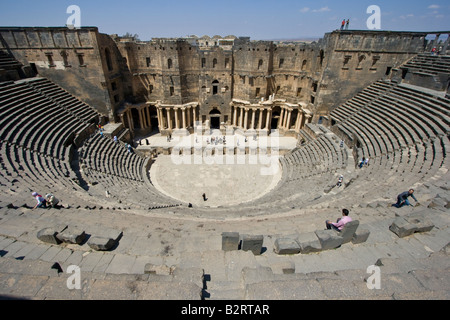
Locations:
(215, 71)
(70, 58)
(296, 72)
(355, 59)
(116, 74)
(107, 71)
(253, 63)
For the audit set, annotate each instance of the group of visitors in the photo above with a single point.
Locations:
(49, 201)
(435, 51)
(402, 200)
(363, 162)
(217, 140)
(345, 24)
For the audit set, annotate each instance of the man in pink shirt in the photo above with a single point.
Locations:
(339, 224)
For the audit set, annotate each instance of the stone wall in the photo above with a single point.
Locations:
(355, 59)
(68, 57)
(117, 75)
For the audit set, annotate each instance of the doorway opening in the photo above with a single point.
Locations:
(215, 119)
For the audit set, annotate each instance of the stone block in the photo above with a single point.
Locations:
(348, 231)
(230, 241)
(72, 235)
(401, 227)
(286, 246)
(421, 223)
(408, 225)
(101, 243)
(360, 236)
(48, 235)
(252, 243)
(328, 239)
(309, 243)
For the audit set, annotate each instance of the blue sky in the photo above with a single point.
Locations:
(259, 19)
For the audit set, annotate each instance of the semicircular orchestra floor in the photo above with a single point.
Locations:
(225, 182)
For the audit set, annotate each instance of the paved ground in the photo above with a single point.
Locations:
(223, 183)
(168, 239)
(237, 140)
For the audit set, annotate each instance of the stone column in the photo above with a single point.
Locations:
(246, 119)
(297, 121)
(253, 118)
(235, 117)
(288, 122)
(183, 113)
(300, 122)
(194, 110)
(280, 121)
(241, 118)
(261, 113)
(189, 123)
(268, 117)
(169, 120)
(177, 124)
(160, 119)
(130, 120)
(141, 118)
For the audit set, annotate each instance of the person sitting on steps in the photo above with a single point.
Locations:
(340, 223)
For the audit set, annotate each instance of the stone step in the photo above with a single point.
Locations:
(37, 279)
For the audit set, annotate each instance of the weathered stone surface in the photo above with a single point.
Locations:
(252, 243)
(230, 241)
(72, 235)
(360, 236)
(309, 243)
(406, 226)
(286, 246)
(401, 227)
(438, 203)
(328, 239)
(150, 268)
(348, 231)
(101, 243)
(422, 223)
(48, 235)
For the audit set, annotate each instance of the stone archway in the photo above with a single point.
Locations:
(215, 118)
(276, 114)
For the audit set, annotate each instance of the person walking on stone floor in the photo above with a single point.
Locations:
(343, 24)
(347, 24)
(340, 223)
(402, 199)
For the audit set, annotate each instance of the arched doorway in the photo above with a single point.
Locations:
(276, 113)
(215, 118)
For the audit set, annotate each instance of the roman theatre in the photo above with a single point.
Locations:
(204, 168)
